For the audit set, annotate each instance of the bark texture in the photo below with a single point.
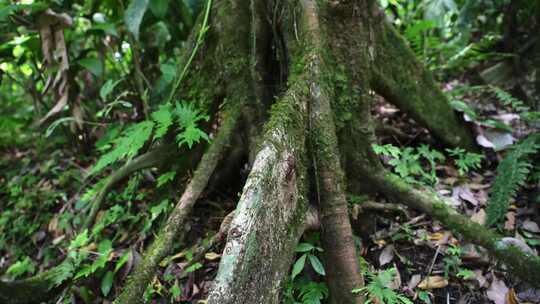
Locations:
(343, 272)
(401, 79)
(269, 217)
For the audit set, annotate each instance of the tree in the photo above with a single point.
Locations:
(297, 79)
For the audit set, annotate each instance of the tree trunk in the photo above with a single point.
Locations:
(317, 62)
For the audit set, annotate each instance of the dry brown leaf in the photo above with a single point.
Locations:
(212, 256)
(433, 282)
(435, 236)
(510, 223)
(53, 224)
(511, 297)
(479, 217)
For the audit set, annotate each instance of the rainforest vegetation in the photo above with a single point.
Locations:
(279, 151)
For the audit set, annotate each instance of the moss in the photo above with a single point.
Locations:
(523, 265)
(401, 79)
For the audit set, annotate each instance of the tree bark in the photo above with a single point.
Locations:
(269, 217)
(401, 79)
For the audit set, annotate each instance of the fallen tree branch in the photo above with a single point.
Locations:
(522, 264)
(163, 244)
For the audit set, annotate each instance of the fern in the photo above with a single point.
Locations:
(131, 140)
(508, 100)
(188, 118)
(377, 289)
(164, 119)
(127, 145)
(511, 174)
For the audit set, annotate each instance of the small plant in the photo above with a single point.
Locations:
(512, 173)
(303, 290)
(408, 162)
(405, 232)
(21, 268)
(465, 161)
(128, 144)
(308, 251)
(377, 291)
(452, 264)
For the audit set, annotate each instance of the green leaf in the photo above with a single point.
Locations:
(298, 266)
(190, 136)
(79, 241)
(511, 174)
(194, 267)
(93, 65)
(159, 7)
(126, 146)
(56, 123)
(133, 16)
(62, 272)
(106, 283)
(163, 118)
(107, 28)
(175, 291)
(165, 178)
(304, 247)
(25, 266)
(316, 264)
(107, 88)
(123, 259)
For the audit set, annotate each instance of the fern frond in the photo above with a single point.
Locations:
(164, 119)
(511, 174)
(126, 146)
(508, 100)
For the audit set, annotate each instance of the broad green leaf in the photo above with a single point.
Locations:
(107, 28)
(317, 265)
(165, 178)
(298, 266)
(107, 88)
(106, 283)
(159, 7)
(133, 16)
(304, 247)
(93, 65)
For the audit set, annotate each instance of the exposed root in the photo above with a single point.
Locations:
(266, 225)
(342, 271)
(522, 264)
(376, 206)
(36, 289)
(163, 244)
(149, 159)
(401, 79)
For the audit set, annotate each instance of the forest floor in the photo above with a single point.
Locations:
(406, 251)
